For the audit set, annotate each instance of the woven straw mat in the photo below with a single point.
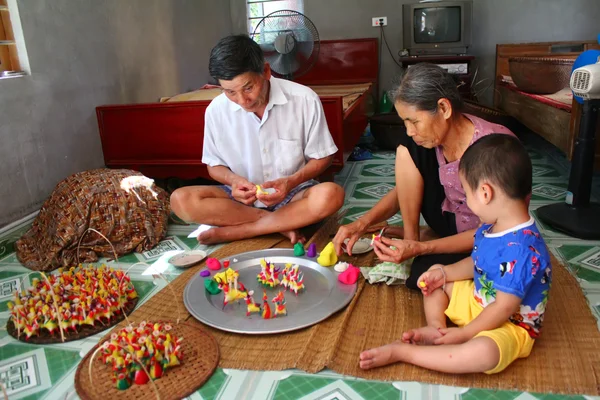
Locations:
(565, 359)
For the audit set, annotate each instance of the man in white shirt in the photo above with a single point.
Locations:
(260, 131)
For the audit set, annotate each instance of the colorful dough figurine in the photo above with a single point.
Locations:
(285, 275)
(298, 250)
(296, 280)
(327, 258)
(279, 301)
(153, 345)
(234, 292)
(268, 275)
(251, 305)
(260, 190)
(312, 250)
(266, 311)
(213, 264)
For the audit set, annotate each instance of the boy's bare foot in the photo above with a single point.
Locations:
(380, 356)
(421, 336)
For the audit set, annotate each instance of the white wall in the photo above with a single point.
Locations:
(82, 54)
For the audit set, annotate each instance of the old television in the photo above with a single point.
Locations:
(437, 27)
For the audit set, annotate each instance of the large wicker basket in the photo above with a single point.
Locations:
(540, 75)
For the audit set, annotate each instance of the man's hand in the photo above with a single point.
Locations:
(431, 280)
(403, 249)
(243, 191)
(453, 336)
(282, 187)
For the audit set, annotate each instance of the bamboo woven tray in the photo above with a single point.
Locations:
(83, 332)
(201, 357)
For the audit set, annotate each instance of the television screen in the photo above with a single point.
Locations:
(437, 25)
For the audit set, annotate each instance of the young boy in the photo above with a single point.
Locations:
(496, 297)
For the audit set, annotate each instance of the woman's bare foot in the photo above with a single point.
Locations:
(294, 236)
(380, 356)
(422, 336)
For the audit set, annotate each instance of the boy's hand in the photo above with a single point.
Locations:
(243, 191)
(431, 280)
(453, 336)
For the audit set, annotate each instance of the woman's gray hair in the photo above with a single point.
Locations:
(423, 85)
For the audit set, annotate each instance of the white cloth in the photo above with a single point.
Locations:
(293, 130)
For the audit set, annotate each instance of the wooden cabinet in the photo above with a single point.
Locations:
(460, 67)
(558, 125)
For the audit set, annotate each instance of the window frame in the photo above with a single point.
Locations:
(260, 15)
(9, 58)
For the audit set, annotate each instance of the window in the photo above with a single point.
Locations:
(257, 9)
(9, 60)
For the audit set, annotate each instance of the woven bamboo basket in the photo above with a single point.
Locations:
(540, 75)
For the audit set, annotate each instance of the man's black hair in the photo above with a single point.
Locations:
(235, 55)
(500, 159)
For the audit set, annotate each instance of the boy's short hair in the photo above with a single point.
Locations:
(502, 160)
(235, 55)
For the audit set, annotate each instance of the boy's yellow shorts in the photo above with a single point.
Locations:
(512, 340)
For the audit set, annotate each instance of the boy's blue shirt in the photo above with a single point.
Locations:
(517, 262)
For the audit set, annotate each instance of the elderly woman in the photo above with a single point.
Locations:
(427, 180)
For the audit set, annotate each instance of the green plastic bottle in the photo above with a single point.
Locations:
(385, 104)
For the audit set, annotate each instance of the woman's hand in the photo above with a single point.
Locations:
(403, 249)
(432, 279)
(351, 231)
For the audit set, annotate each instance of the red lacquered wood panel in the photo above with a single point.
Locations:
(343, 62)
(154, 136)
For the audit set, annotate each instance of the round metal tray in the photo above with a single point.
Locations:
(323, 296)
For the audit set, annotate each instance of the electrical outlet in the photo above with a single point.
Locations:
(379, 21)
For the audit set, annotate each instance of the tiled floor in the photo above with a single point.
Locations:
(34, 372)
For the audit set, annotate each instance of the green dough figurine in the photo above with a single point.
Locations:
(298, 250)
(211, 286)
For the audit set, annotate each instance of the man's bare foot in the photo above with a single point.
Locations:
(380, 356)
(422, 336)
(294, 236)
(211, 236)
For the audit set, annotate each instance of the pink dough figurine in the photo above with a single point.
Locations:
(213, 264)
(349, 276)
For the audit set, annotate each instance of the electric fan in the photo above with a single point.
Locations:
(577, 216)
(289, 41)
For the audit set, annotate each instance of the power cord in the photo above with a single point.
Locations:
(382, 34)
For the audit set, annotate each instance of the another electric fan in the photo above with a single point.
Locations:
(290, 42)
(577, 216)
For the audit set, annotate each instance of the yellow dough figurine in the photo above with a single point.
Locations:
(260, 190)
(327, 258)
(422, 284)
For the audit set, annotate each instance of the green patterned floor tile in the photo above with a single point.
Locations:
(549, 192)
(142, 287)
(213, 386)
(546, 171)
(482, 394)
(569, 252)
(354, 213)
(586, 274)
(377, 170)
(58, 362)
(297, 386)
(189, 242)
(374, 390)
(373, 191)
(128, 258)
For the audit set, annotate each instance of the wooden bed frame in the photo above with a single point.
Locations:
(164, 140)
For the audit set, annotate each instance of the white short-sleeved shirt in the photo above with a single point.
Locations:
(293, 130)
